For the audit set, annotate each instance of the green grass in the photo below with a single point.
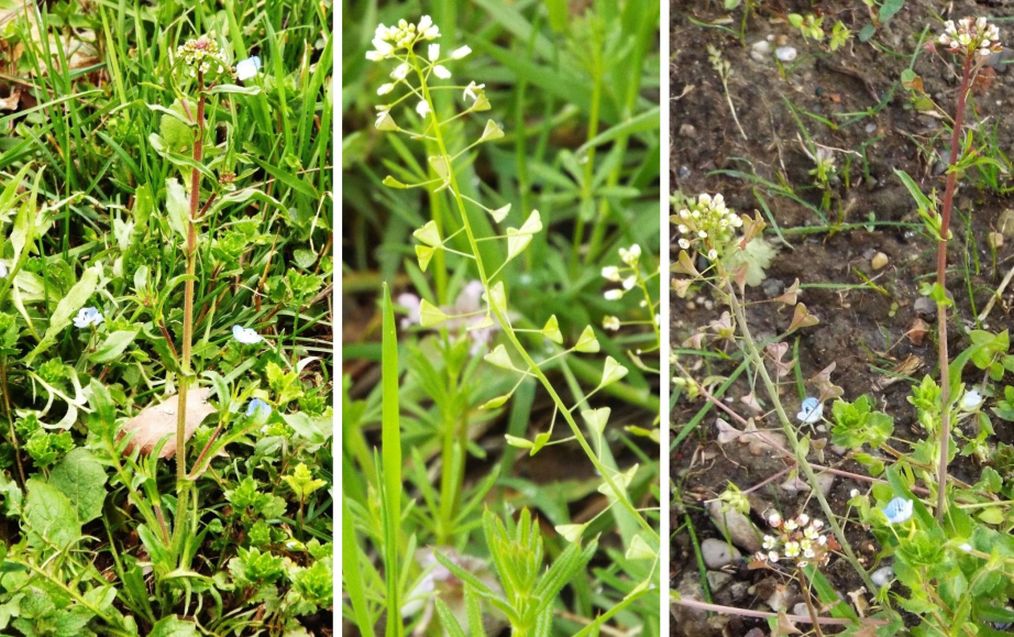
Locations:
(88, 158)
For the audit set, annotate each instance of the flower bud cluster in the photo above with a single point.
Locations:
(625, 275)
(203, 55)
(799, 539)
(971, 35)
(708, 224)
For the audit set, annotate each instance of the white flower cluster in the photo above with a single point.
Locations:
(398, 43)
(799, 539)
(203, 55)
(388, 41)
(971, 34)
(625, 275)
(708, 222)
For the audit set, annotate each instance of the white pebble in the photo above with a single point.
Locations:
(786, 53)
(882, 576)
(760, 50)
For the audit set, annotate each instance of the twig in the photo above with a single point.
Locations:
(760, 614)
(996, 295)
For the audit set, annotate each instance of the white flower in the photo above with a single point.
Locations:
(611, 323)
(775, 519)
(791, 549)
(441, 71)
(470, 91)
(385, 88)
(769, 542)
(811, 411)
(245, 335)
(427, 30)
(684, 244)
(854, 493)
(611, 273)
(630, 255)
(88, 317)
(3, 270)
(971, 400)
(898, 510)
(773, 556)
(433, 52)
(423, 108)
(460, 52)
(248, 68)
(400, 72)
(613, 295)
(629, 282)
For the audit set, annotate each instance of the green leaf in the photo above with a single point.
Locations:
(81, 478)
(49, 517)
(173, 627)
(113, 346)
(177, 205)
(889, 9)
(65, 310)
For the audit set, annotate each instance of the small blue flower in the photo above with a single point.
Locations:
(811, 411)
(256, 406)
(246, 335)
(88, 317)
(898, 510)
(248, 68)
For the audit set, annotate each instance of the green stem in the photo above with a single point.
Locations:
(186, 373)
(790, 434)
(507, 328)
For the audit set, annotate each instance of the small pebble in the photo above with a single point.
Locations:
(1005, 223)
(772, 287)
(688, 130)
(879, 261)
(871, 128)
(717, 580)
(738, 526)
(882, 576)
(786, 53)
(925, 308)
(718, 553)
(825, 481)
(1001, 60)
(760, 50)
(800, 609)
(994, 240)
(683, 172)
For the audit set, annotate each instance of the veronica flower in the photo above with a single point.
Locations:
(811, 411)
(88, 317)
(246, 335)
(256, 406)
(248, 68)
(971, 400)
(898, 510)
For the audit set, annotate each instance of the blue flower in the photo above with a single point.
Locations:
(256, 407)
(88, 317)
(898, 510)
(246, 335)
(248, 68)
(811, 411)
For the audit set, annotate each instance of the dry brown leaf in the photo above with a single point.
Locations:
(681, 286)
(905, 368)
(776, 351)
(10, 103)
(917, 333)
(156, 422)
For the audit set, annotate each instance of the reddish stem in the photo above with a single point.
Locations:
(945, 223)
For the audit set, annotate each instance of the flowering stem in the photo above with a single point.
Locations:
(790, 435)
(504, 322)
(945, 222)
(186, 372)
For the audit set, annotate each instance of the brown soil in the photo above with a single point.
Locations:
(861, 329)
